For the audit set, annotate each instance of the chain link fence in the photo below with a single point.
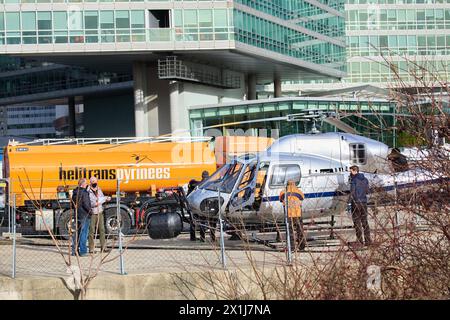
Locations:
(136, 252)
(42, 255)
(203, 246)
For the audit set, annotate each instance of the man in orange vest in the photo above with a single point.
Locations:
(295, 197)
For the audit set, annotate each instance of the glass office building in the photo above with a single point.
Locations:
(401, 30)
(256, 41)
(388, 40)
(291, 28)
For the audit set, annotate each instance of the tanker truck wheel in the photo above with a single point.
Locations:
(111, 223)
(64, 224)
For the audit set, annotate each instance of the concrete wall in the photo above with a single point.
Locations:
(192, 94)
(162, 106)
(151, 101)
(153, 286)
(109, 116)
(195, 95)
(163, 89)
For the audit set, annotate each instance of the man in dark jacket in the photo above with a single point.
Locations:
(359, 188)
(205, 223)
(82, 212)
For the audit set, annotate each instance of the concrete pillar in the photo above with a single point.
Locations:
(179, 114)
(140, 95)
(72, 122)
(251, 87)
(151, 101)
(175, 121)
(277, 87)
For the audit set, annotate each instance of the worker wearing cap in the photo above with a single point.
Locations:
(294, 197)
(194, 183)
(206, 222)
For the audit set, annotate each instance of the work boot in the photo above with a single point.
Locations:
(235, 236)
(301, 244)
(278, 238)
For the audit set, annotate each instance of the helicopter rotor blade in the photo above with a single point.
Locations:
(340, 125)
(304, 117)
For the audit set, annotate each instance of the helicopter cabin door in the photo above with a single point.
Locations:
(279, 174)
(244, 193)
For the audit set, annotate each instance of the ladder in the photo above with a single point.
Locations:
(118, 140)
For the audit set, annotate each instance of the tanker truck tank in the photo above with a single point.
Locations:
(43, 173)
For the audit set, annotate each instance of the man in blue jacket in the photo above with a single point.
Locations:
(359, 188)
(82, 216)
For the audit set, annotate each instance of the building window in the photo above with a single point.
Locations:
(107, 26)
(159, 18)
(44, 22)
(12, 27)
(29, 27)
(91, 19)
(122, 19)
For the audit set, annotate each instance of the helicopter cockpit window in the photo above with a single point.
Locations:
(283, 173)
(358, 153)
(225, 178)
(245, 188)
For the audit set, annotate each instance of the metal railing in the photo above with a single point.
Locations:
(115, 140)
(397, 25)
(47, 86)
(132, 35)
(172, 68)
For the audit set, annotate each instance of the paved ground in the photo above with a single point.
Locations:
(46, 260)
(40, 257)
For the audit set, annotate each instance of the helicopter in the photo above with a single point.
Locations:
(247, 189)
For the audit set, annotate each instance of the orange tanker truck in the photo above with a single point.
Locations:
(41, 175)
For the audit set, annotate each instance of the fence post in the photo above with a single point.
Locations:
(222, 240)
(288, 230)
(396, 225)
(119, 228)
(13, 211)
(332, 223)
(9, 208)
